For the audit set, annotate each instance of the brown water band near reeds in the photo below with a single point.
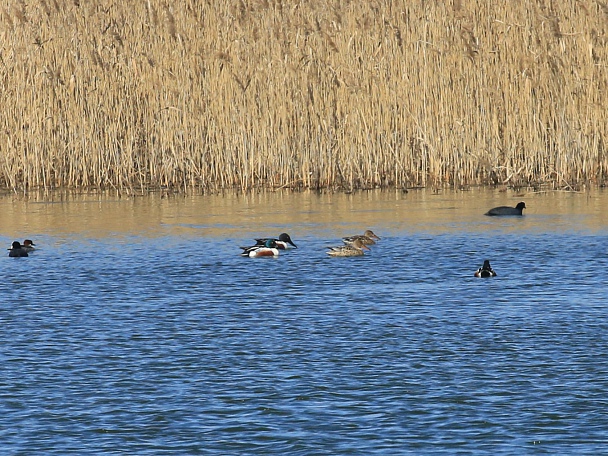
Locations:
(321, 94)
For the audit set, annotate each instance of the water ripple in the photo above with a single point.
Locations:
(168, 350)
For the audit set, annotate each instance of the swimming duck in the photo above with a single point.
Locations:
(366, 238)
(17, 250)
(486, 270)
(268, 249)
(507, 210)
(283, 242)
(348, 250)
(28, 245)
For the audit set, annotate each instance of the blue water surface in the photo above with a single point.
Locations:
(172, 345)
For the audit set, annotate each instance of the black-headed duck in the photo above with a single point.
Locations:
(17, 250)
(507, 210)
(486, 270)
(282, 243)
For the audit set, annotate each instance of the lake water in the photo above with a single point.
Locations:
(137, 328)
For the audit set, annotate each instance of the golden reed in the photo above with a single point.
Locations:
(289, 94)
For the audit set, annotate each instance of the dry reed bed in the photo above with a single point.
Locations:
(318, 94)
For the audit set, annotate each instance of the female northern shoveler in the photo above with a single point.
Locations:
(17, 250)
(366, 238)
(506, 210)
(283, 242)
(486, 270)
(269, 249)
(28, 245)
(348, 250)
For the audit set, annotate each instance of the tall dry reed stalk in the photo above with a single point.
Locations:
(319, 94)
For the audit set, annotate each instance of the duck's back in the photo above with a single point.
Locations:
(503, 210)
(507, 210)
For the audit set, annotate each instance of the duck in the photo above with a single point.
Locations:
(366, 238)
(28, 245)
(283, 242)
(486, 270)
(507, 210)
(348, 250)
(17, 250)
(269, 249)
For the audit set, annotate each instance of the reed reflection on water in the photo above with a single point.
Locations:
(237, 215)
(138, 327)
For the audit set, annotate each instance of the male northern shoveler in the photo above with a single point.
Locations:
(283, 242)
(507, 210)
(486, 270)
(17, 250)
(348, 250)
(269, 249)
(366, 238)
(28, 245)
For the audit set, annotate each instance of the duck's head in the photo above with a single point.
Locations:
(270, 243)
(520, 206)
(370, 234)
(28, 243)
(284, 237)
(486, 265)
(16, 245)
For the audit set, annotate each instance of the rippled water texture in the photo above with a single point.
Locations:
(137, 328)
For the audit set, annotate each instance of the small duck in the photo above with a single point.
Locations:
(486, 270)
(269, 249)
(348, 250)
(283, 242)
(366, 238)
(28, 245)
(17, 250)
(507, 210)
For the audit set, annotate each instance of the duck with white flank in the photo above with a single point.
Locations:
(269, 249)
(283, 242)
(28, 245)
